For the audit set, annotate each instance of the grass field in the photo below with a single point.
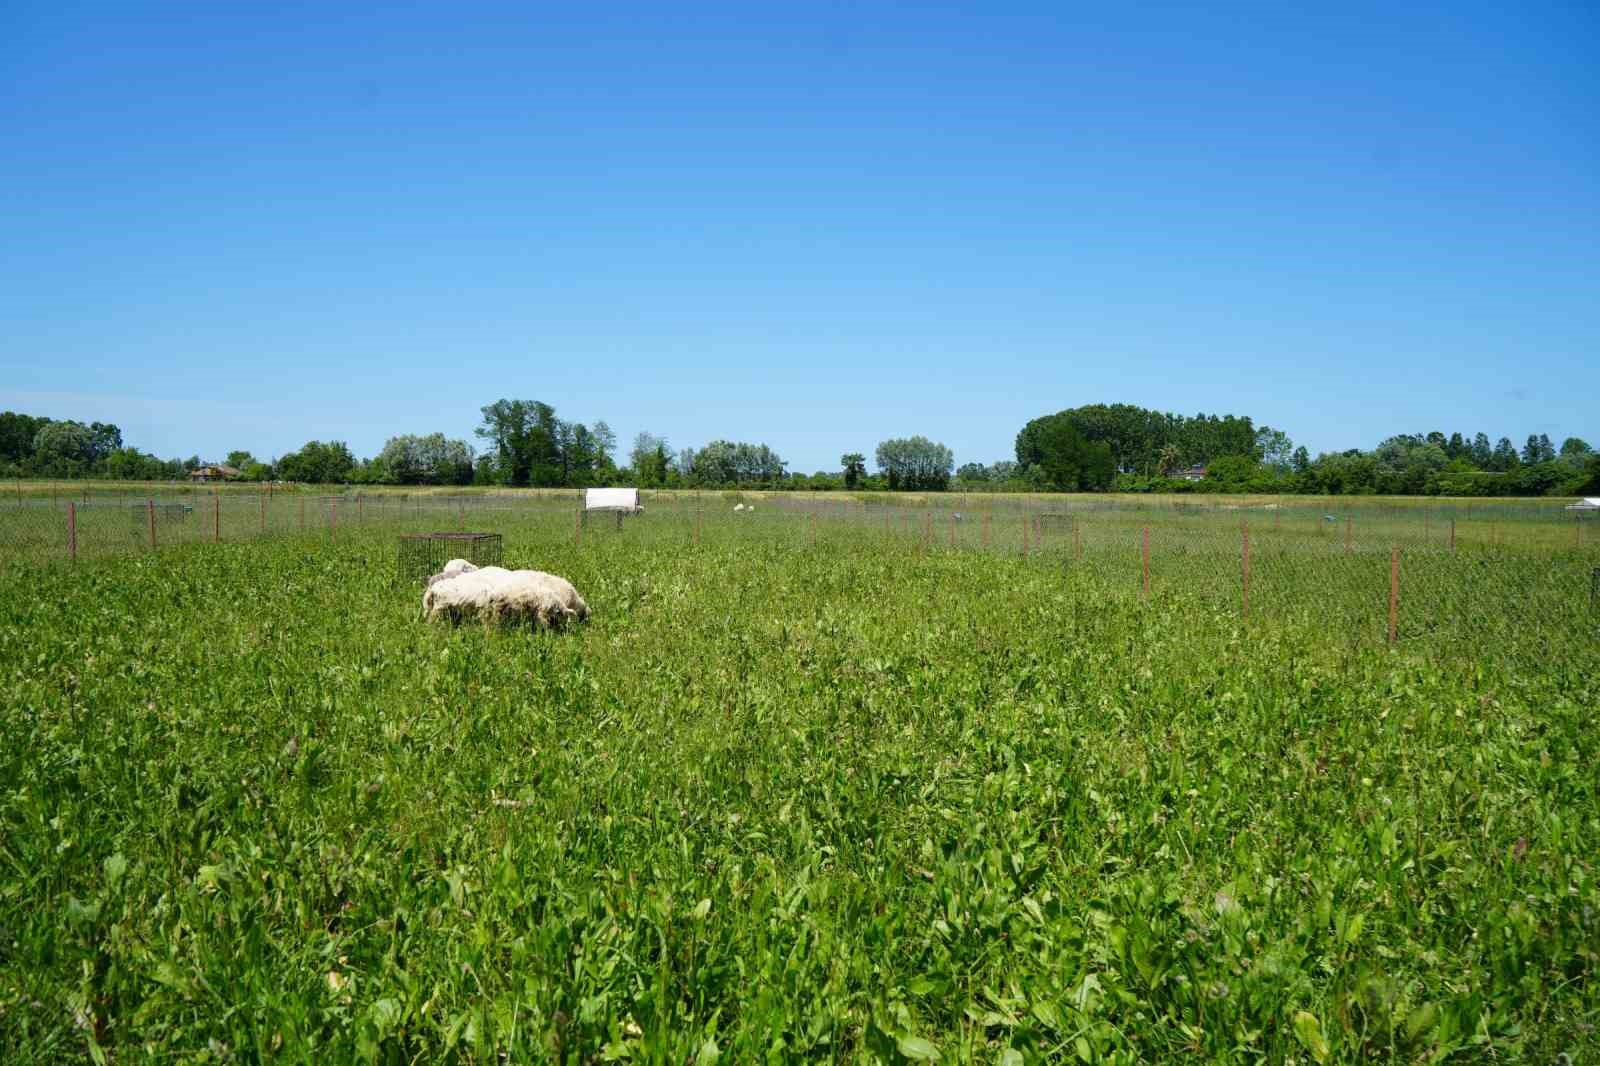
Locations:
(830, 792)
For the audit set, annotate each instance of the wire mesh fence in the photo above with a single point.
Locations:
(1520, 578)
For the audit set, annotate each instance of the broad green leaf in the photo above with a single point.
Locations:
(1309, 1032)
(1422, 1020)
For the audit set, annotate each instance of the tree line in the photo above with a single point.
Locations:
(1123, 448)
(1093, 448)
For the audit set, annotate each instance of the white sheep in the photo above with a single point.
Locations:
(494, 594)
(451, 569)
(738, 507)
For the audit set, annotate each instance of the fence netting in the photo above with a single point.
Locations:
(1503, 578)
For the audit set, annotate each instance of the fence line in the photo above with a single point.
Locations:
(1520, 583)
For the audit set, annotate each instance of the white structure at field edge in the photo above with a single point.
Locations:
(624, 500)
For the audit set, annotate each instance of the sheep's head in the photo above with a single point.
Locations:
(454, 568)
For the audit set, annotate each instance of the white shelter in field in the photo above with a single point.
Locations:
(1588, 503)
(623, 501)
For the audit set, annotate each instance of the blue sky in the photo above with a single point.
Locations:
(813, 225)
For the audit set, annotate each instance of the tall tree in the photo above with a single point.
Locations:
(1505, 455)
(1168, 461)
(736, 463)
(1066, 459)
(104, 438)
(1274, 448)
(915, 464)
(318, 463)
(63, 449)
(431, 460)
(17, 433)
(605, 446)
(649, 459)
(526, 437)
(855, 468)
(1575, 446)
(1482, 453)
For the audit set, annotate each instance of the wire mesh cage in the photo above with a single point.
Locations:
(422, 555)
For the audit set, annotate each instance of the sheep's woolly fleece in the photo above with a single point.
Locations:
(493, 594)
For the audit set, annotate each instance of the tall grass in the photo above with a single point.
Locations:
(862, 798)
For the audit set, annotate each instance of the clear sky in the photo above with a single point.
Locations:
(815, 225)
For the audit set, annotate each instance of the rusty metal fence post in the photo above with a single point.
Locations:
(1246, 599)
(150, 520)
(72, 531)
(1394, 592)
(1146, 554)
(216, 518)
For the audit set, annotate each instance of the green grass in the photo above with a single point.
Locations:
(850, 802)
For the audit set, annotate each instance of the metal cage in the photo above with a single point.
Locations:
(421, 555)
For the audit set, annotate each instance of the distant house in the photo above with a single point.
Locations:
(214, 472)
(1588, 503)
(1197, 472)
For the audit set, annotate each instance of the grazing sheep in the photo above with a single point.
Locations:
(451, 569)
(494, 594)
(738, 507)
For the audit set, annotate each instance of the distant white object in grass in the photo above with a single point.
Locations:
(625, 500)
(738, 507)
(493, 594)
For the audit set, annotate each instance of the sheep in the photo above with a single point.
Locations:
(451, 569)
(738, 507)
(495, 594)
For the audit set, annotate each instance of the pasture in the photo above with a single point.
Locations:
(874, 786)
